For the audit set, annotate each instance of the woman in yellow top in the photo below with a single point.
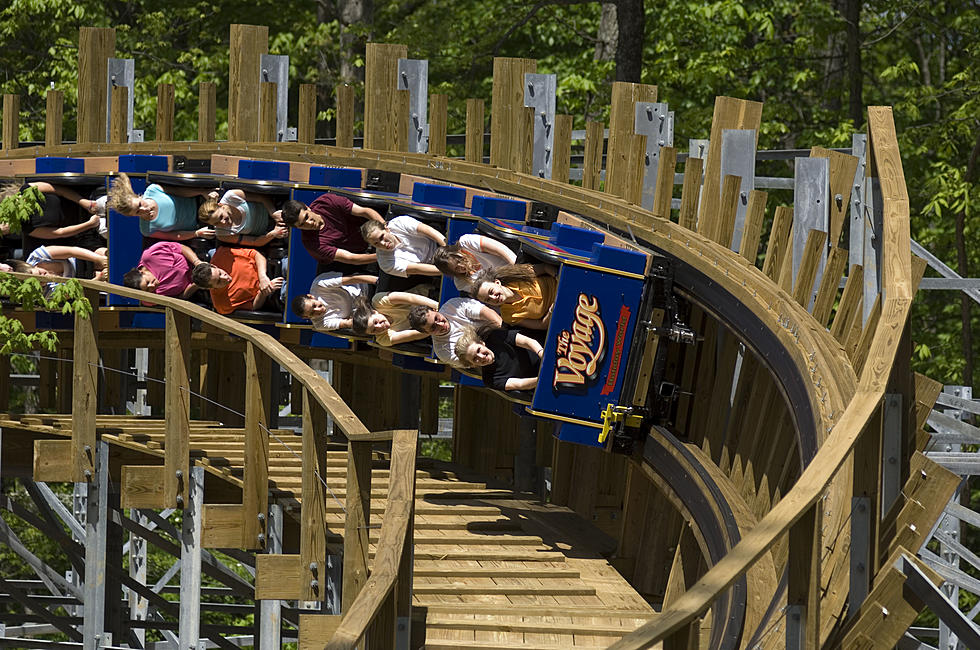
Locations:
(525, 293)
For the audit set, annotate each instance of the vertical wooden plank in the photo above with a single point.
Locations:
(255, 483)
(511, 126)
(754, 213)
(592, 164)
(313, 515)
(345, 115)
(400, 119)
(803, 571)
(729, 113)
(119, 118)
(358, 516)
(664, 190)
(11, 121)
(438, 118)
(622, 127)
(850, 300)
(156, 368)
(860, 354)
(824, 302)
(561, 149)
(54, 118)
(778, 241)
(95, 46)
(207, 105)
(267, 111)
(807, 273)
(842, 167)
(165, 113)
(380, 87)
(176, 455)
(866, 482)
(727, 207)
(689, 193)
(475, 126)
(84, 393)
(632, 170)
(247, 45)
(306, 131)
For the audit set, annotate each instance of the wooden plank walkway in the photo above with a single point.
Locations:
(492, 569)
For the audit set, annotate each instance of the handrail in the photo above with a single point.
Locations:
(391, 547)
(319, 388)
(836, 449)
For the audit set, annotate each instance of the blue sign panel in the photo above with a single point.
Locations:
(588, 343)
(125, 245)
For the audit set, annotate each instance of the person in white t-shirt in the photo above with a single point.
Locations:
(331, 300)
(448, 324)
(405, 245)
(470, 255)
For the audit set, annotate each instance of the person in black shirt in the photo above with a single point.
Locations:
(508, 359)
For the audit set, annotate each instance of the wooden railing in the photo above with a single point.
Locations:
(370, 605)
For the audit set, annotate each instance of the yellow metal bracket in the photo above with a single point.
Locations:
(615, 415)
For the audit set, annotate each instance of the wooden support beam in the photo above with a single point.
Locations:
(306, 132)
(727, 207)
(401, 108)
(850, 301)
(221, 526)
(54, 118)
(842, 167)
(809, 263)
(561, 149)
(52, 460)
(729, 113)
(511, 123)
(803, 571)
(165, 113)
(592, 163)
(621, 155)
(280, 577)
(267, 111)
(778, 245)
(207, 105)
(178, 409)
(429, 416)
(438, 117)
(84, 394)
(119, 115)
(95, 46)
(690, 192)
(358, 503)
(255, 483)
(247, 45)
(755, 212)
(142, 486)
(829, 283)
(11, 121)
(345, 115)
(664, 191)
(475, 127)
(313, 532)
(315, 629)
(381, 119)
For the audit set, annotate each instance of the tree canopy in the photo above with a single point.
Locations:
(814, 64)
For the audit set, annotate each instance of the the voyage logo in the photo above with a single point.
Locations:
(580, 349)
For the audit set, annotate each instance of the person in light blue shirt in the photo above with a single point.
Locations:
(164, 214)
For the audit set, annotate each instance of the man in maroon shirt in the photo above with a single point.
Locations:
(331, 229)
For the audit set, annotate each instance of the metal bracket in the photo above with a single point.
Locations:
(275, 68)
(656, 122)
(121, 72)
(738, 159)
(966, 632)
(811, 211)
(413, 76)
(539, 94)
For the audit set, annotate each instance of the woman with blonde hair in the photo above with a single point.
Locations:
(170, 215)
(508, 360)
(240, 218)
(525, 293)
